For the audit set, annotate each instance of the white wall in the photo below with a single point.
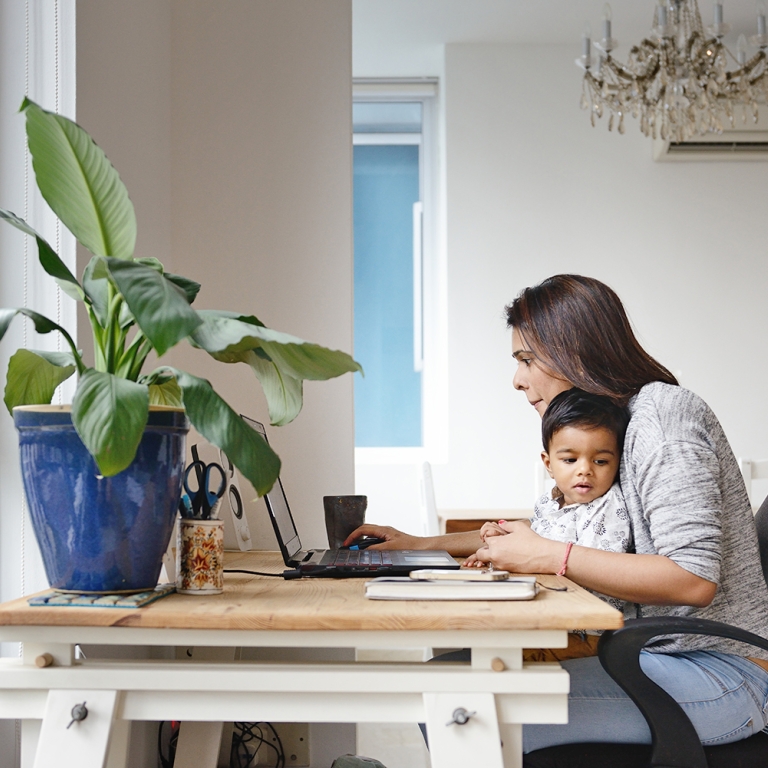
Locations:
(230, 124)
(261, 206)
(534, 190)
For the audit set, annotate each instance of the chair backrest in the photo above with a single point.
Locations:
(761, 524)
(428, 504)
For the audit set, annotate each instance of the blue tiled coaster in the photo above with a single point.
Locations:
(54, 599)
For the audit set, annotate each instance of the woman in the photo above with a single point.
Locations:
(696, 550)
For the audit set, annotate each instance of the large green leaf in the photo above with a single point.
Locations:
(80, 184)
(160, 307)
(220, 425)
(34, 375)
(284, 393)
(228, 337)
(152, 262)
(190, 287)
(96, 287)
(165, 393)
(309, 361)
(49, 259)
(42, 323)
(110, 414)
(225, 336)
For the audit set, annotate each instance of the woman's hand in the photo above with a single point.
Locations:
(522, 550)
(393, 539)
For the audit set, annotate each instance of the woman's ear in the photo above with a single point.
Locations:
(545, 459)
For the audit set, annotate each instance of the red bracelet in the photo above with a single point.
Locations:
(563, 567)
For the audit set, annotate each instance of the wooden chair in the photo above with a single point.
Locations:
(675, 742)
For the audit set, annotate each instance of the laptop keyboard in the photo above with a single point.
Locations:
(361, 557)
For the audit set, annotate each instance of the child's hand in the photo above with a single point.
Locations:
(492, 529)
(480, 559)
(473, 561)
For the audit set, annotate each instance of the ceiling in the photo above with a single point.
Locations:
(402, 33)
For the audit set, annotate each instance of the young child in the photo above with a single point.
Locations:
(583, 437)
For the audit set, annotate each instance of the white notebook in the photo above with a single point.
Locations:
(404, 588)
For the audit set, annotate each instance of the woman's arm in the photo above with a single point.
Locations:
(458, 544)
(647, 579)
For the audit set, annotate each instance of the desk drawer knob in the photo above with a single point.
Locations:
(44, 660)
(460, 716)
(79, 712)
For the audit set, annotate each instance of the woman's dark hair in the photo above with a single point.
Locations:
(577, 408)
(577, 326)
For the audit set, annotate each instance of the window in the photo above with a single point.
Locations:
(396, 285)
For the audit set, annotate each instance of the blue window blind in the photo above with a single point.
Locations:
(388, 398)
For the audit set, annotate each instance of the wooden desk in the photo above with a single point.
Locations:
(272, 613)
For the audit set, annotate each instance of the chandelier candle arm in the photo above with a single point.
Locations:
(760, 40)
(586, 45)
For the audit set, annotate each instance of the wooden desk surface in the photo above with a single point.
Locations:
(263, 603)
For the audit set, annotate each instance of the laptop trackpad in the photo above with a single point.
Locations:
(425, 559)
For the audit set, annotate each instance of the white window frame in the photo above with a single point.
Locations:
(434, 388)
(39, 60)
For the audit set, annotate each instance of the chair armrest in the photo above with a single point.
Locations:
(675, 741)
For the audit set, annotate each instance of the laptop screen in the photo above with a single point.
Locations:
(277, 504)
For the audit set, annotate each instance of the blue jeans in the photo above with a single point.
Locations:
(724, 696)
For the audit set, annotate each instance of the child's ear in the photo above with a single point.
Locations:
(545, 459)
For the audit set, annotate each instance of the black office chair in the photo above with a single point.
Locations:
(675, 743)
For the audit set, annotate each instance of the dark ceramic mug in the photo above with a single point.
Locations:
(342, 515)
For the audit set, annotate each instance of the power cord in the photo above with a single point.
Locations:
(294, 573)
(249, 738)
(253, 573)
(167, 761)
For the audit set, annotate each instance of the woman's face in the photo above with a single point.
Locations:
(538, 382)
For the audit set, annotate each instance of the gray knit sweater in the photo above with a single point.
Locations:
(686, 499)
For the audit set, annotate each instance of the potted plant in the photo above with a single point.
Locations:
(135, 307)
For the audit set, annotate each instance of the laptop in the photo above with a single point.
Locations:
(340, 563)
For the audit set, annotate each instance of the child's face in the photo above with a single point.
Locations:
(583, 462)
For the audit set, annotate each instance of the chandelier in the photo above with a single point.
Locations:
(676, 81)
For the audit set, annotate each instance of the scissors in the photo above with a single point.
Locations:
(199, 498)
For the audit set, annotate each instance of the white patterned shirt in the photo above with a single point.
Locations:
(601, 524)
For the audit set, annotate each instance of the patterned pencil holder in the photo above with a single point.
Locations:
(200, 557)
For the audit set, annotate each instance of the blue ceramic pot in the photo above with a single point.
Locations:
(100, 534)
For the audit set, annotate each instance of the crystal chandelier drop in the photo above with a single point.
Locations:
(677, 81)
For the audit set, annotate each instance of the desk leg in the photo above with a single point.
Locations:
(119, 742)
(512, 744)
(477, 742)
(63, 656)
(30, 736)
(83, 744)
(198, 745)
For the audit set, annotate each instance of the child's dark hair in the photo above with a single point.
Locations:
(577, 408)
